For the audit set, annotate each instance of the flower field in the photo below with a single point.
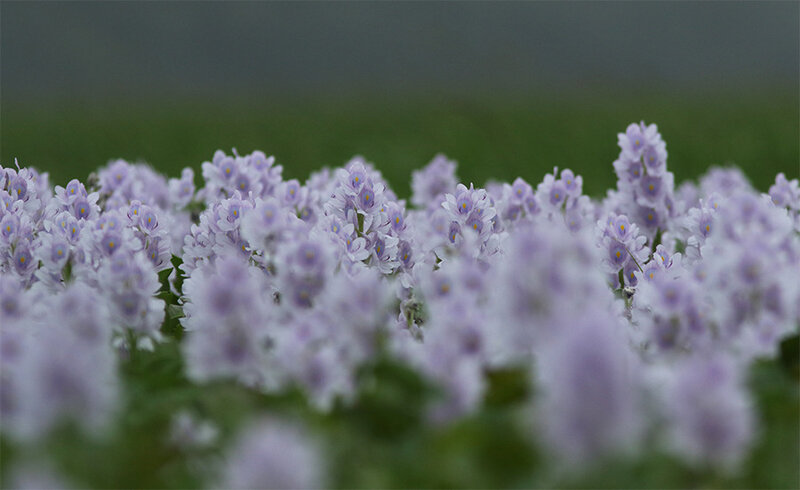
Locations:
(242, 329)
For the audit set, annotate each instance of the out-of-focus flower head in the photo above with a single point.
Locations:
(430, 184)
(589, 407)
(710, 419)
(274, 454)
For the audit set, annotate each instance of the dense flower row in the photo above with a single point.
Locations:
(636, 313)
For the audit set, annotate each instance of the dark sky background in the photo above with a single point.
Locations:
(169, 49)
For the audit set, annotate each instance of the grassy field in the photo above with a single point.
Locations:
(490, 138)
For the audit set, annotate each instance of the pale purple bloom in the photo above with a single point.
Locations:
(633, 140)
(655, 158)
(291, 192)
(181, 191)
(430, 184)
(68, 369)
(588, 406)
(274, 454)
(785, 193)
(226, 318)
(710, 417)
(573, 184)
(114, 175)
(724, 181)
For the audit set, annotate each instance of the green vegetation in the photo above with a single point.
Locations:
(499, 139)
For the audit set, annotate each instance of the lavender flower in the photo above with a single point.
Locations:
(67, 369)
(710, 416)
(431, 184)
(645, 189)
(226, 318)
(274, 454)
(589, 408)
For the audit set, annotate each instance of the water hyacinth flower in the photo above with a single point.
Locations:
(303, 270)
(516, 202)
(128, 282)
(226, 322)
(528, 285)
(470, 211)
(623, 248)
(561, 199)
(672, 311)
(432, 183)
(724, 181)
(786, 194)
(645, 189)
(710, 417)
(589, 408)
(181, 191)
(67, 370)
(274, 454)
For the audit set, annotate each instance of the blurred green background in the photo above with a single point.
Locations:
(489, 137)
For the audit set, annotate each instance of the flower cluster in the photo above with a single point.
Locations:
(649, 294)
(645, 189)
